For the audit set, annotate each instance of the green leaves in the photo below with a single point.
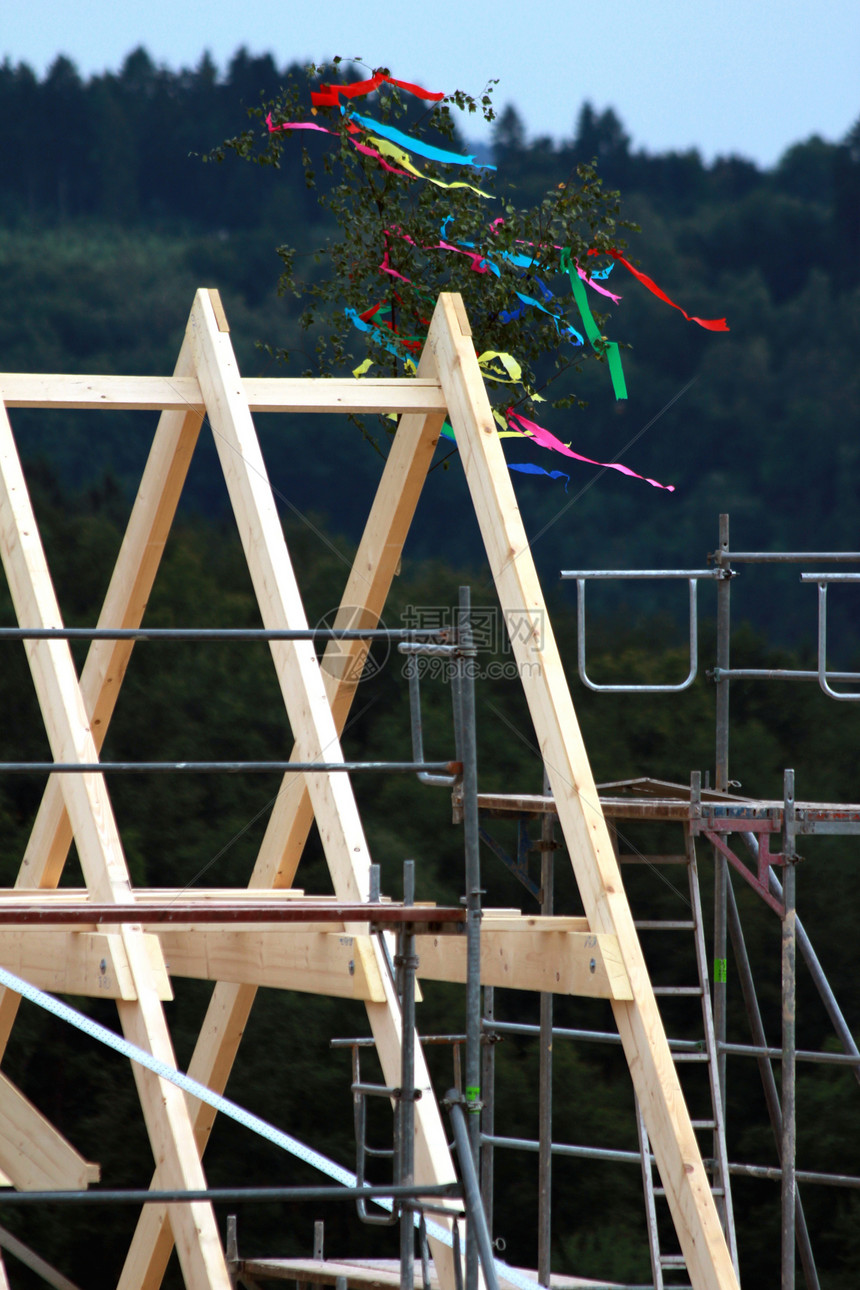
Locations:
(391, 242)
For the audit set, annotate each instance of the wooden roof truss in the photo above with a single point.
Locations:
(139, 957)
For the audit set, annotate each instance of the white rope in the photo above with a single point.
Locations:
(224, 1106)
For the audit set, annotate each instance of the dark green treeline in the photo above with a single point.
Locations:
(108, 222)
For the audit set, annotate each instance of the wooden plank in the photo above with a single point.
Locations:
(517, 957)
(86, 963)
(34, 1155)
(580, 815)
(513, 921)
(376, 562)
(383, 1274)
(68, 729)
(327, 963)
(579, 963)
(13, 897)
(182, 393)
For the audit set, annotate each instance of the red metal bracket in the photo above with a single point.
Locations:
(766, 858)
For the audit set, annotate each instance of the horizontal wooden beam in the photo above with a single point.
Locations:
(94, 964)
(556, 955)
(314, 962)
(182, 393)
(587, 964)
(48, 896)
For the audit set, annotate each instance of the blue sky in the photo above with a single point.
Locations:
(739, 77)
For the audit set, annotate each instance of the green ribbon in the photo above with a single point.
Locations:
(592, 331)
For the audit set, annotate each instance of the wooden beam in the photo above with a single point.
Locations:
(67, 725)
(558, 962)
(515, 955)
(182, 393)
(13, 897)
(328, 963)
(33, 1154)
(558, 736)
(93, 964)
(364, 597)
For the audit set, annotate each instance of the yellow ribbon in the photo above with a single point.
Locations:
(388, 149)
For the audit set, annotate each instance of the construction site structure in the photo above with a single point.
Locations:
(126, 943)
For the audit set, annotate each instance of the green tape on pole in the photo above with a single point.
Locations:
(720, 971)
(473, 1093)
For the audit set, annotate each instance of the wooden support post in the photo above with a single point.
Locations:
(579, 811)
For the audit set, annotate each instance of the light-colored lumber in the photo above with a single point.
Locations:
(128, 592)
(586, 835)
(289, 825)
(580, 963)
(33, 1154)
(80, 962)
(327, 963)
(68, 729)
(182, 393)
(384, 1274)
(516, 957)
(14, 897)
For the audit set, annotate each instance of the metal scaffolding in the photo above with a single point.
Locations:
(740, 831)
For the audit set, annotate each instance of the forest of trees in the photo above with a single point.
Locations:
(109, 220)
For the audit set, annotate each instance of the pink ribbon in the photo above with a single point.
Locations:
(548, 440)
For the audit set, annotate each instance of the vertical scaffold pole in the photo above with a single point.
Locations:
(469, 756)
(789, 1035)
(724, 585)
(545, 1071)
(407, 964)
(488, 1097)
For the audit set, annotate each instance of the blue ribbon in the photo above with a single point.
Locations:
(416, 145)
(528, 468)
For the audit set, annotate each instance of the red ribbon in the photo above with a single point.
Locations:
(328, 95)
(711, 324)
